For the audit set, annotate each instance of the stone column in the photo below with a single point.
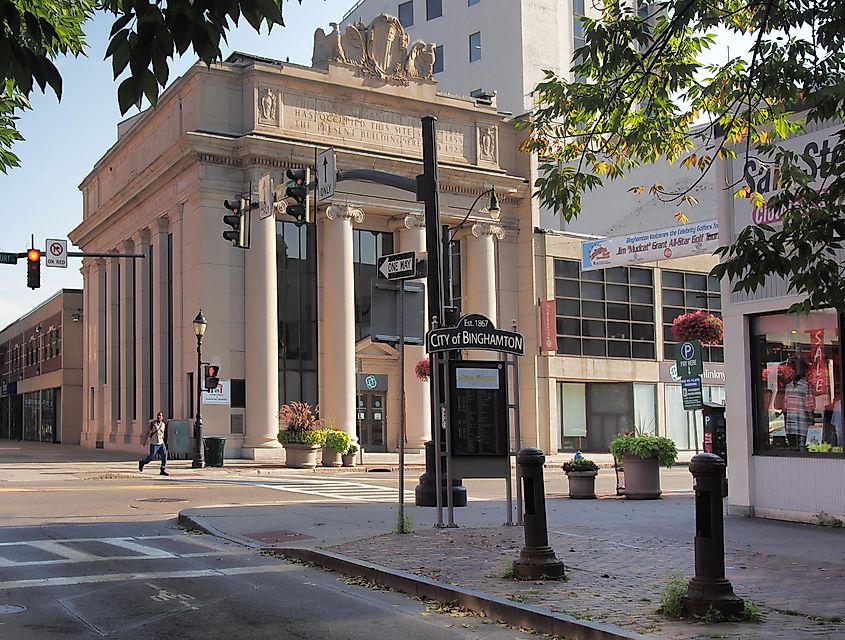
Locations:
(480, 283)
(417, 393)
(177, 313)
(261, 357)
(99, 320)
(113, 378)
(127, 344)
(161, 317)
(339, 317)
(143, 338)
(88, 361)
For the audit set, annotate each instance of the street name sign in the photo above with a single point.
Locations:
(689, 359)
(398, 266)
(56, 254)
(7, 257)
(326, 174)
(474, 331)
(691, 393)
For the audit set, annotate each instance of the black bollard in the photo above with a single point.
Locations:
(709, 588)
(537, 559)
(425, 493)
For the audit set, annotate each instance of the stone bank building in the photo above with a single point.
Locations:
(289, 318)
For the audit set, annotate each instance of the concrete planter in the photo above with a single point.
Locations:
(301, 456)
(582, 484)
(331, 458)
(349, 459)
(642, 478)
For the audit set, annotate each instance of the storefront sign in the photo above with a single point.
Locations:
(691, 394)
(219, 395)
(474, 332)
(692, 239)
(819, 375)
(371, 382)
(815, 151)
(689, 359)
(713, 373)
(548, 329)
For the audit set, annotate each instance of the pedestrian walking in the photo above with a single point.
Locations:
(156, 435)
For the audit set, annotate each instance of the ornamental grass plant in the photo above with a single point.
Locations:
(300, 424)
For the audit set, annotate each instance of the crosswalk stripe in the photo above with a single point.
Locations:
(61, 550)
(63, 581)
(144, 550)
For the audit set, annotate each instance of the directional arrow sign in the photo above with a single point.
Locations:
(326, 174)
(398, 266)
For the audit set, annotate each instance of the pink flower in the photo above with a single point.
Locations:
(698, 325)
(423, 369)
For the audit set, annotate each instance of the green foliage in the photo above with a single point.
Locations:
(507, 572)
(670, 599)
(645, 446)
(819, 447)
(311, 437)
(826, 520)
(352, 449)
(404, 525)
(145, 36)
(642, 93)
(580, 464)
(752, 612)
(338, 440)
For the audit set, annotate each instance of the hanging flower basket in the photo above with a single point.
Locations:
(698, 325)
(423, 369)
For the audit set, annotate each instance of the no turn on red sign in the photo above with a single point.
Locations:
(56, 253)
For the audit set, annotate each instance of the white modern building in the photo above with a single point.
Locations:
(784, 412)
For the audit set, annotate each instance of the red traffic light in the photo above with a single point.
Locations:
(33, 255)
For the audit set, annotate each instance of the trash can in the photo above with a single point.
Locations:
(214, 447)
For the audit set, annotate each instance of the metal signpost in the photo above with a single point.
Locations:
(400, 266)
(478, 401)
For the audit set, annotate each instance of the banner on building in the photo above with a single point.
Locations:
(548, 326)
(698, 238)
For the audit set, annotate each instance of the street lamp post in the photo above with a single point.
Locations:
(199, 329)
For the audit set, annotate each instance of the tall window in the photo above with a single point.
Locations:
(475, 46)
(606, 312)
(433, 9)
(796, 377)
(406, 14)
(438, 59)
(296, 248)
(578, 39)
(368, 247)
(684, 292)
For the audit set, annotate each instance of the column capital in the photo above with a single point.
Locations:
(128, 246)
(410, 221)
(161, 225)
(344, 212)
(142, 236)
(480, 229)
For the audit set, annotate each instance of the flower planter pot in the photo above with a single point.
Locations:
(349, 459)
(582, 484)
(331, 458)
(642, 478)
(301, 456)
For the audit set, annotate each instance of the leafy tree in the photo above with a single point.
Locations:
(643, 92)
(145, 37)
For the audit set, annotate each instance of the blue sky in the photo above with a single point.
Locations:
(64, 140)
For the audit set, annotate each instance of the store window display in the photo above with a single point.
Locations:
(796, 360)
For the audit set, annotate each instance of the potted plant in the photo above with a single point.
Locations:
(698, 325)
(349, 457)
(336, 444)
(301, 434)
(581, 473)
(642, 455)
(423, 369)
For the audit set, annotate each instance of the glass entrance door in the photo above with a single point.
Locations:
(371, 421)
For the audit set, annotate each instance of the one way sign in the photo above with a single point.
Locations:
(398, 266)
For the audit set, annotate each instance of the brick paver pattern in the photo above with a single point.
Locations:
(618, 579)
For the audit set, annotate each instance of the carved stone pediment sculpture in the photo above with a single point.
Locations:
(379, 50)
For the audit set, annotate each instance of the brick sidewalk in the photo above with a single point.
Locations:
(618, 578)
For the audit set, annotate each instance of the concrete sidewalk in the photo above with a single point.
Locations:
(619, 555)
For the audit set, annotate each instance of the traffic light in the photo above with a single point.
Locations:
(238, 219)
(33, 268)
(297, 190)
(211, 376)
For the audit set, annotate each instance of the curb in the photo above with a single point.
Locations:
(493, 607)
